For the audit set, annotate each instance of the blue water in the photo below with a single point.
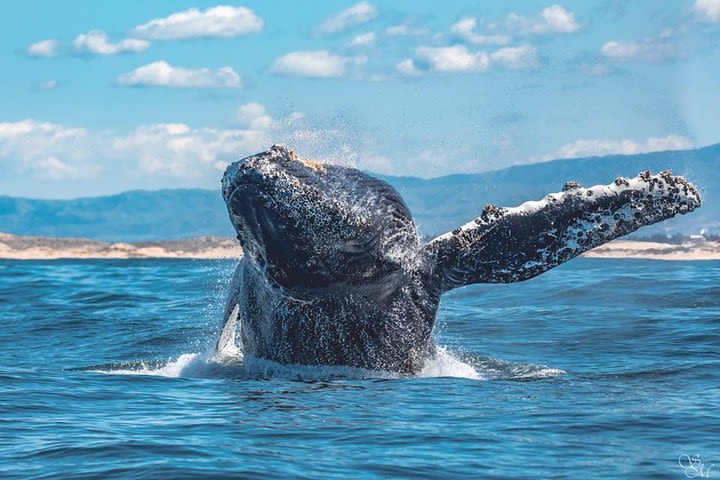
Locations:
(597, 369)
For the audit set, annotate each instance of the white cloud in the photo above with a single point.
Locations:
(32, 146)
(182, 151)
(168, 150)
(707, 10)
(504, 142)
(315, 64)
(595, 70)
(465, 30)
(56, 169)
(96, 41)
(16, 130)
(622, 50)
(48, 85)
(599, 147)
(407, 67)
(376, 163)
(649, 49)
(173, 149)
(163, 74)
(456, 58)
(398, 30)
(44, 48)
(516, 58)
(553, 19)
(433, 161)
(363, 40)
(254, 116)
(358, 14)
(220, 21)
(404, 29)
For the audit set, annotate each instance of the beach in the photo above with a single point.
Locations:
(49, 248)
(691, 250)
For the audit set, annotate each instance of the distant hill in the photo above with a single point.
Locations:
(438, 204)
(129, 216)
(441, 204)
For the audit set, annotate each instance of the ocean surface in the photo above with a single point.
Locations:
(597, 369)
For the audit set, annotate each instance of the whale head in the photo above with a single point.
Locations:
(304, 224)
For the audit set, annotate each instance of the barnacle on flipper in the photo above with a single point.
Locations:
(571, 186)
(622, 181)
(490, 211)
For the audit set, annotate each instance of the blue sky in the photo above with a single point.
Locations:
(101, 97)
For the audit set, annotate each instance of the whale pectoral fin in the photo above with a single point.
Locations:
(228, 332)
(226, 341)
(508, 245)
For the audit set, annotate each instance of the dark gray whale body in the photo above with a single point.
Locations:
(334, 273)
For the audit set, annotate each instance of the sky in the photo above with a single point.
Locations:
(102, 97)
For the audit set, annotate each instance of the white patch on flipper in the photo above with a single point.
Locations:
(635, 184)
(226, 345)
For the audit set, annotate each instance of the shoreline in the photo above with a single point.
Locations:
(14, 247)
(696, 251)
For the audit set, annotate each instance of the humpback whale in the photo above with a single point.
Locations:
(334, 272)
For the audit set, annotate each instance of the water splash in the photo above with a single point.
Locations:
(230, 363)
(445, 364)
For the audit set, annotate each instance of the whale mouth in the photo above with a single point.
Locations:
(250, 187)
(266, 242)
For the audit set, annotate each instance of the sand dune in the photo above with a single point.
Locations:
(48, 248)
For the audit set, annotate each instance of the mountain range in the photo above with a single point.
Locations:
(438, 204)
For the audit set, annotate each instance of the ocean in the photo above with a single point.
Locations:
(596, 369)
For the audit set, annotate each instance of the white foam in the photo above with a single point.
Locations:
(172, 368)
(444, 364)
